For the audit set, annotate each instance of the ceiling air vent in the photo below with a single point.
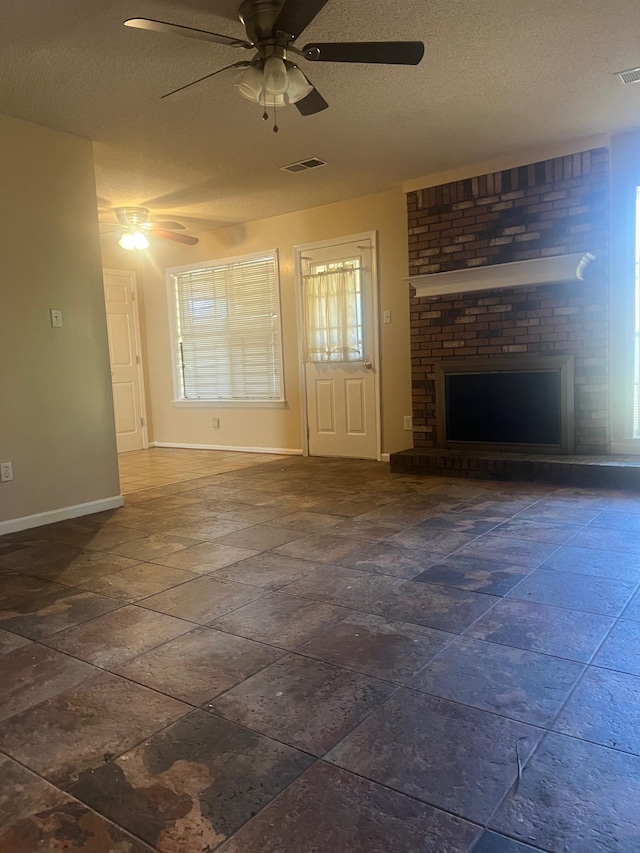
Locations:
(304, 165)
(632, 75)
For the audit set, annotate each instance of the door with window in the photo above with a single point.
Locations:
(124, 353)
(339, 348)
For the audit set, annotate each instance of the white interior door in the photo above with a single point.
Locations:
(339, 350)
(124, 352)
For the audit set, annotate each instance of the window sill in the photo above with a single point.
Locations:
(230, 404)
(626, 447)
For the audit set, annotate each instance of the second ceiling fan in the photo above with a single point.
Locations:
(271, 78)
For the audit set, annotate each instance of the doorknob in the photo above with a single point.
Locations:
(367, 365)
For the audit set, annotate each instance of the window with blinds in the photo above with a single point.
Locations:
(229, 345)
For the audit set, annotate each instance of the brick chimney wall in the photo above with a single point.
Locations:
(554, 207)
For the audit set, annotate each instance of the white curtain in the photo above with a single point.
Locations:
(333, 316)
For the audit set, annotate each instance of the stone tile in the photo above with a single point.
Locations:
(536, 531)
(261, 537)
(118, 636)
(156, 545)
(191, 786)
(632, 610)
(281, 620)
(433, 539)
(271, 571)
(140, 581)
(610, 539)
(303, 703)
(474, 574)
(522, 685)
(469, 522)
(33, 673)
(433, 606)
(456, 758)
(346, 587)
(199, 665)
(578, 592)
(497, 505)
(255, 514)
(80, 567)
(209, 529)
(621, 649)
(36, 816)
(604, 709)
(307, 522)
(95, 538)
(9, 641)
(617, 520)
(490, 842)
(590, 798)
(37, 608)
(593, 561)
(329, 810)
(78, 729)
(557, 631)
(392, 651)
(369, 531)
(515, 552)
(33, 553)
(205, 557)
(203, 599)
(321, 547)
(559, 514)
(385, 559)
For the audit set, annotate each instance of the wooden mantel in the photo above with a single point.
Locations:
(555, 269)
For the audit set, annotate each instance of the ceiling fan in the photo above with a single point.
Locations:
(270, 77)
(135, 228)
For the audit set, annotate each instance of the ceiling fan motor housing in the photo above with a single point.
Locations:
(132, 216)
(259, 18)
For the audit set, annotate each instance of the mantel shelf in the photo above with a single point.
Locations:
(556, 269)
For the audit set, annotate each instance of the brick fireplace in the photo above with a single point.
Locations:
(552, 209)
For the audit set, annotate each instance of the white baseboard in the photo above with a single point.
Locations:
(13, 525)
(385, 457)
(281, 451)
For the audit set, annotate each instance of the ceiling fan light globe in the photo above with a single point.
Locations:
(140, 241)
(273, 100)
(275, 78)
(250, 84)
(127, 242)
(299, 86)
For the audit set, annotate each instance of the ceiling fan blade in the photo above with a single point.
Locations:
(296, 15)
(313, 103)
(169, 226)
(383, 52)
(177, 238)
(190, 32)
(189, 89)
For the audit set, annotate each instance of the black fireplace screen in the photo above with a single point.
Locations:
(515, 407)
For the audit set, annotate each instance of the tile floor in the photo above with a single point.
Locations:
(278, 655)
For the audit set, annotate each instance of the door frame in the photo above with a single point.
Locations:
(138, 341)
(298, 252)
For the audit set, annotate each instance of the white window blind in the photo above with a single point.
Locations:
(228, 323)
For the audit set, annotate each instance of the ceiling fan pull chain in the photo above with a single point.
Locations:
(275, 119)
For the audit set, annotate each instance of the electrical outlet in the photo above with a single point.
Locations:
(6, 472)
(215, 423)
(386, 316)
(56, 318)
(408, 422)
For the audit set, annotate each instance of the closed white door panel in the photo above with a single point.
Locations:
(123, 352)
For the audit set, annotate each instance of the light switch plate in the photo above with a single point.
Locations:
(56, 318)
(6, 472)
(386, 316)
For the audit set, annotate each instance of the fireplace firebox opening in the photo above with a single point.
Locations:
(524, 404)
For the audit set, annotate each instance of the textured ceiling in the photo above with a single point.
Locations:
(498, 76)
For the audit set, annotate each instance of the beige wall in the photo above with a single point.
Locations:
(384, 213)
(56, 416)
